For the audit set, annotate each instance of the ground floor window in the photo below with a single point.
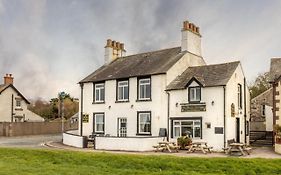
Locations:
(191, 128)
(144, 122)
(99, 123)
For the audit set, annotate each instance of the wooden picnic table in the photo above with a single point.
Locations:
(166, 146)
(236, 148)
(199, 146)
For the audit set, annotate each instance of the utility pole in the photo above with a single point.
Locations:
(61, 96)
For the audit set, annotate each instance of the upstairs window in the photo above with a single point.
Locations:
(18, 103)
(144, 89)
(123, 90)
(99, 93)
(239, 96)
(194, 94)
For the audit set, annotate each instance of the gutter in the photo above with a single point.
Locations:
(168, 118)
(81, 108)
(224, 118)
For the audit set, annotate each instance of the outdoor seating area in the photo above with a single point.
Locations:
(200, 146)
(167, 146)
(236, 148)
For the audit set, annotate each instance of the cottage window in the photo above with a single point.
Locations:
(99, 123)
(240, 96)
(99, 92)
(144, 89)
(191, 128)
(123, 90)
(263, 110)
(144, 123)
(18, 103)
(194, 94)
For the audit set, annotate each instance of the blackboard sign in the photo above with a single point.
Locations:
(162, 132)
(193, 107)
(218, 130)
(85, 118)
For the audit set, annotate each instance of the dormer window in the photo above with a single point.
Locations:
(194, 94)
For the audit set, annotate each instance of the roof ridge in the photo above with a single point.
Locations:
(215, 64)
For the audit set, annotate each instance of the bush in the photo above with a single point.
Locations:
(184, 141)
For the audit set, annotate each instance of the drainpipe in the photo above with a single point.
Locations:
(245, 110)
(224, 118)
(274, 110)
(168, 118)
(12, 109)
(81, 108)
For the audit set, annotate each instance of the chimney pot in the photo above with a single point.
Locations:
(108, 43)
(114, 44)
(118, 45)
(122, 46)
(185, 25)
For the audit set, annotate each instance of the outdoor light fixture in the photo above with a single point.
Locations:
(177, 104)
(213, 103)
(132, 106)
(109, 107)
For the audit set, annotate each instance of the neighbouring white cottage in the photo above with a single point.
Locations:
(13, 105)
(128, 100)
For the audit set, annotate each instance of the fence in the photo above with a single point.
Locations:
(34, 128)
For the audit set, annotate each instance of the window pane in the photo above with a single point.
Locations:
(120, 90)
(126, 93)
(177, 123)
(99, 128)
(197, 94)
(192, 94)
(186, 123)
(142, 91)
(144, 81)
(197, 132)
(177, 131)
(102, 95)
(97, 95)
(147, 91)
(144, 122)
(187, 131)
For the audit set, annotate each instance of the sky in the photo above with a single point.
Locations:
(50, 45)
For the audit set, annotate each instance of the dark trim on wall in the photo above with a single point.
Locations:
(138, 79)
(224, 118)
(81, 108)
(12, 108)
(94, 125)
(168, 117)
(245, 112)
(191, 80)
(274, 110)
(139, 112)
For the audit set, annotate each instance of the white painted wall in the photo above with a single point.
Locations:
(213, 114)
(268, 118)
(191, 42)
(127, 144)
(6, 107)
(72, 140)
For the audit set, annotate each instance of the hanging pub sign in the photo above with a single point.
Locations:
(185, 107)
(232, 110)
(85, 118)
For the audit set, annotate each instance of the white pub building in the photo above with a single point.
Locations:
(130, 99)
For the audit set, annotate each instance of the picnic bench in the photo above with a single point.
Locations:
(200, 146)
(169, 146)
(234, 148)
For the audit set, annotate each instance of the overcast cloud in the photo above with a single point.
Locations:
(49, 45)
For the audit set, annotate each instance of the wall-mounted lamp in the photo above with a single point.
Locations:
(132, 106)
(213, 103)
(109, 107)
(177, 104)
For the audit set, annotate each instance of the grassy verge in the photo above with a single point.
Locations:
(20, 161)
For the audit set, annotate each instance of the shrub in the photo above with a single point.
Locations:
(184, 141)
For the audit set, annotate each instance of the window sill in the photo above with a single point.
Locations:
(127, 101)
(98, 103)
(144, 100)
(143, 134)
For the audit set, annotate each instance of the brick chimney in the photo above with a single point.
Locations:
(113, 50)
(8, 79)
(191, 38)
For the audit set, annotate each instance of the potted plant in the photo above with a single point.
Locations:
(184, 141)
(277, 130)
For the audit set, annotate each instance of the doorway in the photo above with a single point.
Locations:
(238, 130)
(122, 127)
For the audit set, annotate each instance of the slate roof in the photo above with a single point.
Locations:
(150, 63)
(3, 87)
(208, 75)
(275, 69)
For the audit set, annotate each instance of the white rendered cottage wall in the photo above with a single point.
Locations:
(113, 110)
(232, 97)
(179, 67)
(268, 118)
(213, 114)
(6, 104)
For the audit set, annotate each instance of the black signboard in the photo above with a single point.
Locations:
(193, 107)
(218, 130)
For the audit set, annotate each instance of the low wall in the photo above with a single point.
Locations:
(33, 128)
(71, 139)
(127, 143)
(277, 148)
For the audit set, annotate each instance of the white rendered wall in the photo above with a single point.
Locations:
(191, 42)
(113, 110)
(268, 118)
(126, 144)
(72, 140)
(213, 114)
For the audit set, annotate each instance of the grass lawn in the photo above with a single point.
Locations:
(31, 161)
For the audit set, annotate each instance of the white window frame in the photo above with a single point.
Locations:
(139, 123)
(193, 127)
(141, 84)
(123, 89)
(98, 95)
(101, 123)
(196, 89)
(18, 103)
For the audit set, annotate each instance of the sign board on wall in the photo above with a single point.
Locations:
(193, 107)
(232, 110)
(85, 118)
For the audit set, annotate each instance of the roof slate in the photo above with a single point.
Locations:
(150, 63)
(208, 75)
(275, 69)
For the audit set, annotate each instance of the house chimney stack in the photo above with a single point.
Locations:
(8, 79)
(191, 38)
(113, 50)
